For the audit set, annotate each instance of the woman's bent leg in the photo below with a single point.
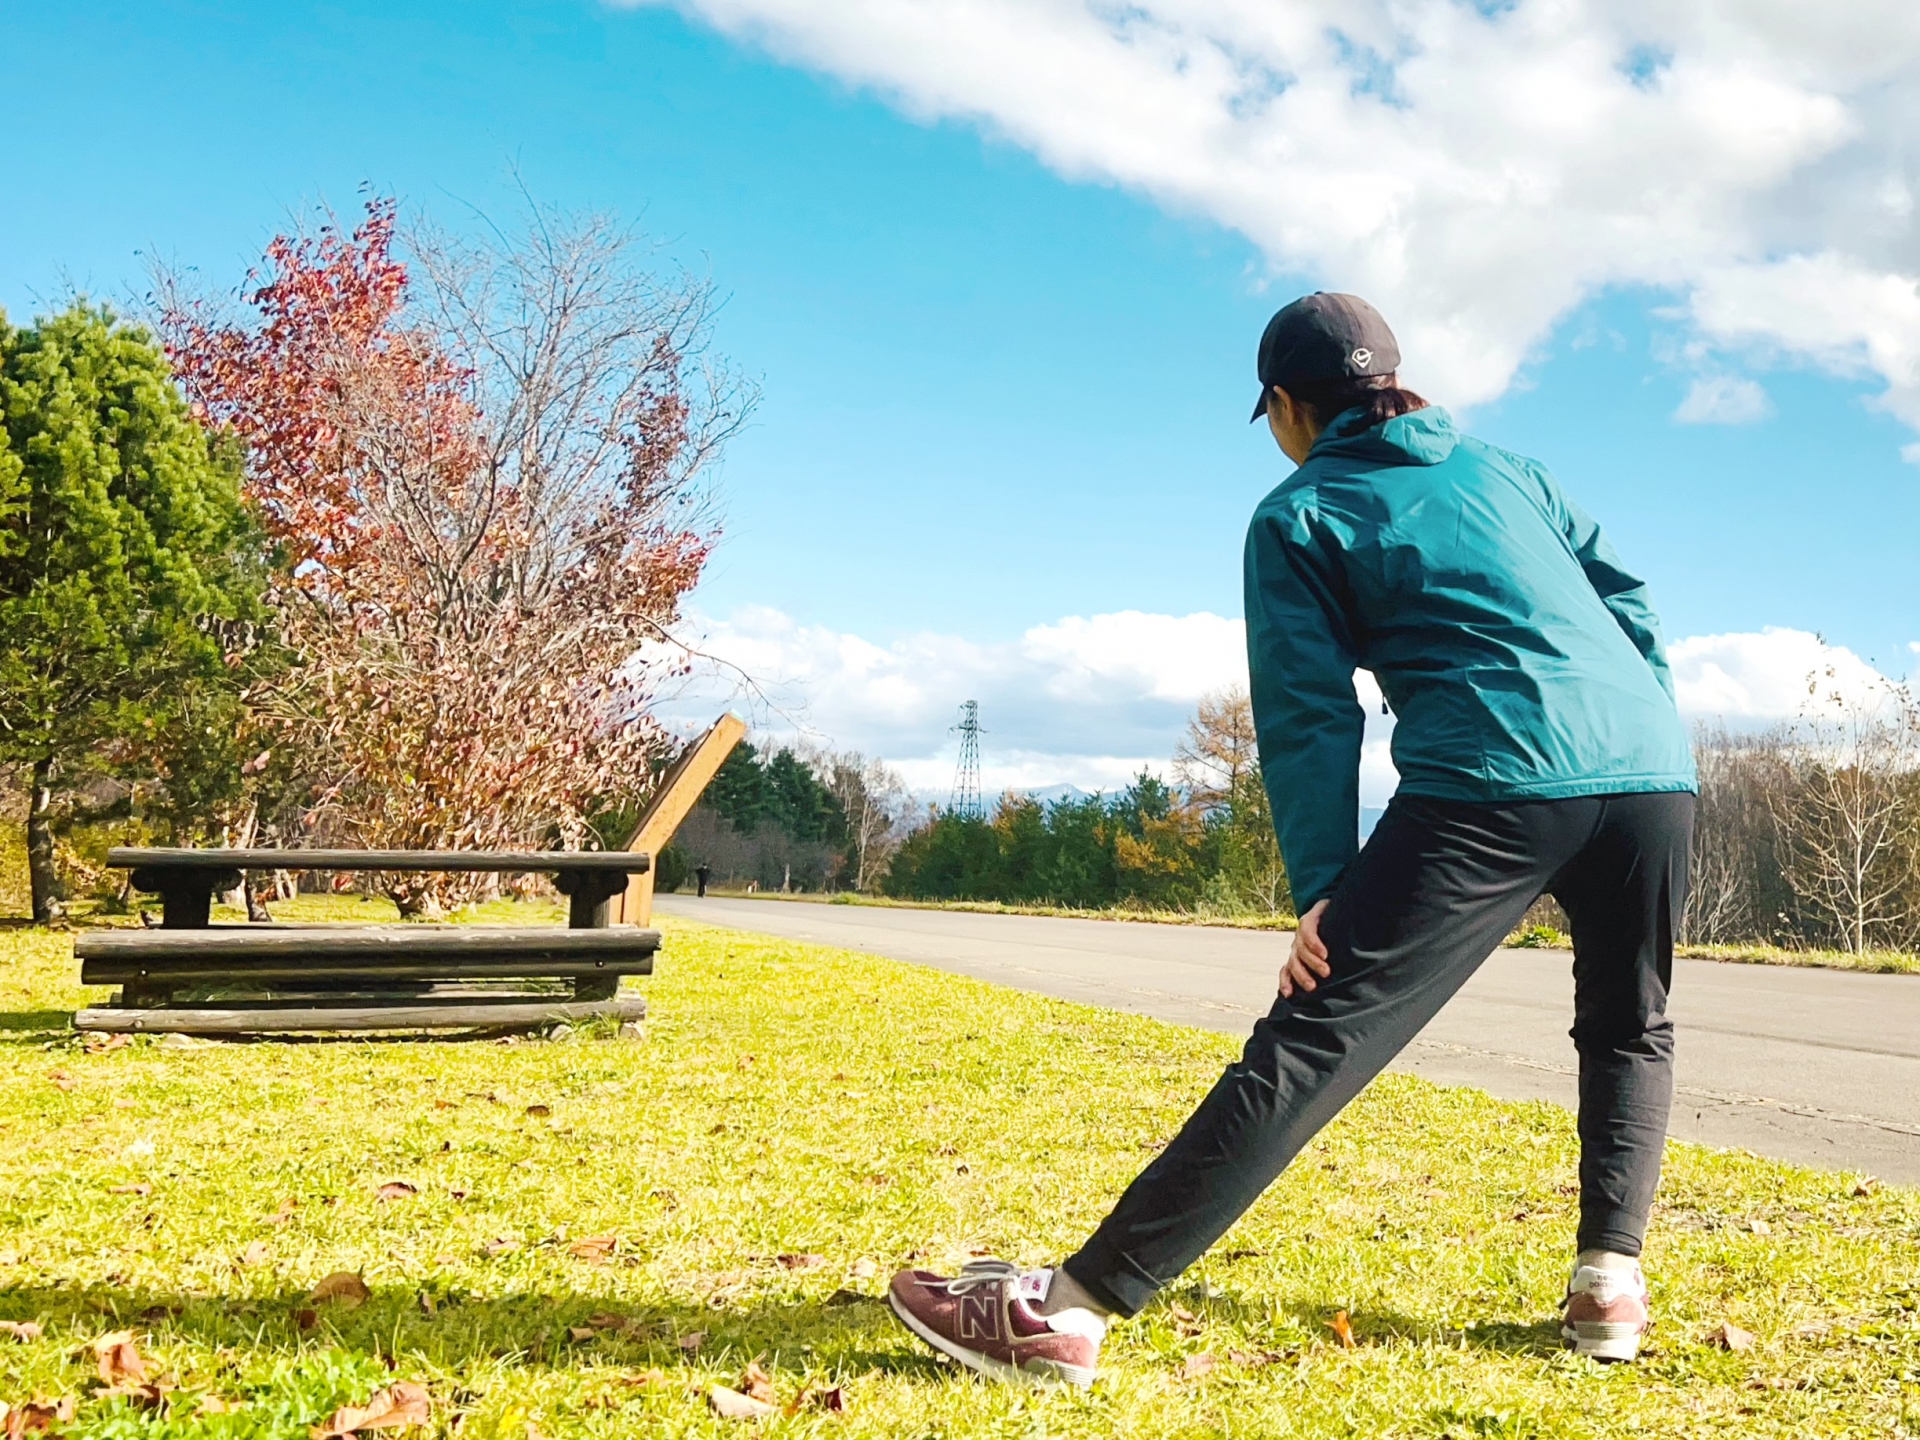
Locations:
(1436, 888)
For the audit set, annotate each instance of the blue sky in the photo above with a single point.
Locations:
(1000, 388)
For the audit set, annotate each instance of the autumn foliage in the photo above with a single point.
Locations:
(482, 466)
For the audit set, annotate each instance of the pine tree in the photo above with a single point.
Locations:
(129, 572)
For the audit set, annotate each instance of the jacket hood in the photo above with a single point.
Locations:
(1425, 437)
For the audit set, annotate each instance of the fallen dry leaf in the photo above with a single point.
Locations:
(119, 1360)
(864, 1269)
(1729, 1336)
(833, 1398)
(61, 1080)
(37, 1416)
(257, 1252)
(396, 1190)
(216, 1405)
(1254, 1359)
(1759, 1227)
(732, 1405)
(793, 1261)
(607, 1320)
(578, 1333)
(645, 1379)
(98, 1043)
(22, 1330)
(398, 1407)
(446, 1105)
(343, 1288)
(691, 1342)
(1197, 1365)
(502, 1246)
(595, 1248)
(283, 1212)
(1185, 1321)
(756, 1384)
(1343, 1327)
(143, 1188)
(1865, 1188)
(539, 1112)
(305, 1318)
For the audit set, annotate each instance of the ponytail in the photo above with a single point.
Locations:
(1379, 398)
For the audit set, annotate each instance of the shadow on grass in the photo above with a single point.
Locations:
(463, 1328)
(35, 1020)
(1539, 1338)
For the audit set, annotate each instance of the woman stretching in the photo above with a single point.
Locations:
(1539, 752)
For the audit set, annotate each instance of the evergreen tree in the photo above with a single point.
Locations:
(129, 572)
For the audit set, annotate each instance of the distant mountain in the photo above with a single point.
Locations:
(1053, 794)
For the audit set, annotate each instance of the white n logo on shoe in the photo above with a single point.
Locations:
(979, 1317)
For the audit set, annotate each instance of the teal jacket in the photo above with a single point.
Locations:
(1519, 657)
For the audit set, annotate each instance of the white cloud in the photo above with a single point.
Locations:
(1477, 169)
(1091, 701)
(1723, 400)
(1748, 679)
(1085, 700)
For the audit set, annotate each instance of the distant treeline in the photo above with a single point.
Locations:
(1807, 835)
(789, 820)
(1206, 846)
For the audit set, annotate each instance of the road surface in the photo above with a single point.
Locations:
(1821, 1067)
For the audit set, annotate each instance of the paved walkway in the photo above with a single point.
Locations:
(1816, 1066)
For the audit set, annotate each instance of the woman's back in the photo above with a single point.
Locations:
(1519, 658)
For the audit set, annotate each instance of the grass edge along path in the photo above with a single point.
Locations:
(583, 1237)
(1879, 962)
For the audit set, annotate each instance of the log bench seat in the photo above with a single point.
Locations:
(194, 977)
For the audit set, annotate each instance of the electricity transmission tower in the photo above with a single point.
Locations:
(966, 775)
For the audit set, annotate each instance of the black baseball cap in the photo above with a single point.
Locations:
(1322, 337)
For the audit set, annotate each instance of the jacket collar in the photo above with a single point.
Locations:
(1425, 437)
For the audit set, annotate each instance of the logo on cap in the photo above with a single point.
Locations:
(1363, 357)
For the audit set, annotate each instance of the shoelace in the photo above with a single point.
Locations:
(976, 1273)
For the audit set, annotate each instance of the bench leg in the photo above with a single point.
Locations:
(595, 987)
(588, 892)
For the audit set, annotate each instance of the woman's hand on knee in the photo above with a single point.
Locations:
(1307, 966)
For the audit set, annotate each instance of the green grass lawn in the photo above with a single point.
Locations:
(602, 1228)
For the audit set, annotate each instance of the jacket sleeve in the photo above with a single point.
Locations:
(1300, 664)
(1621, 592)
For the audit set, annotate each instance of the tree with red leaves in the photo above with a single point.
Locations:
(484, 468)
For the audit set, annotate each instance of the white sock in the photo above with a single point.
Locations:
(1060, 1298)
(1606, 1260)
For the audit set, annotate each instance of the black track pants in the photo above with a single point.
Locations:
(1435, 889)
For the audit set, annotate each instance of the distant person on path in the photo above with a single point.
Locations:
(1539, 751)
(700, 874)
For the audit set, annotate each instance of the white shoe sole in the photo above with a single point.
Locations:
(1598, 1340)
(1050, 1375)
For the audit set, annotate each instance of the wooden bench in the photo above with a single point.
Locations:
(191, 976)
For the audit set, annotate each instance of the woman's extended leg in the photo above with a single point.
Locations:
(1437, 887)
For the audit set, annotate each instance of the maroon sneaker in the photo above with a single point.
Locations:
(1608, 1313)
(984, 1317)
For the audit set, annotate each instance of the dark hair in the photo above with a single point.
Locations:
(1379, 398)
